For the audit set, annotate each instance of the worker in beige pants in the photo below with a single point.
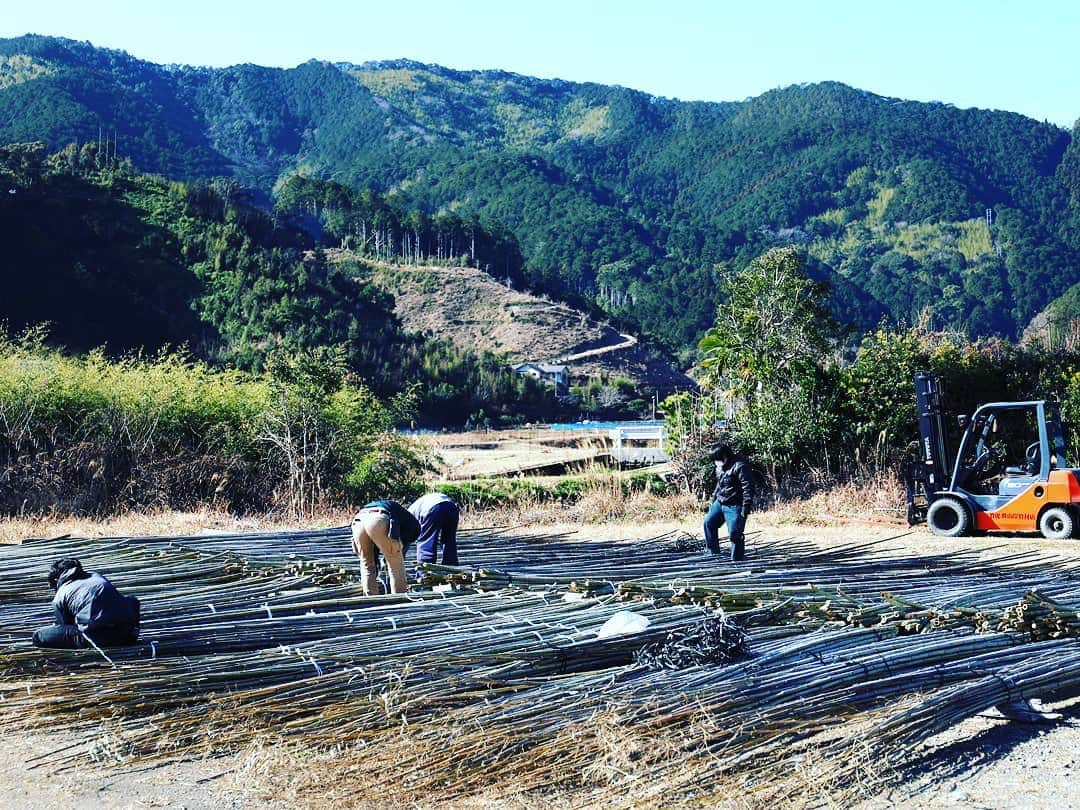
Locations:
(378, 525)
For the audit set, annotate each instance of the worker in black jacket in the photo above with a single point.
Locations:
(731, 501)
(88, 610)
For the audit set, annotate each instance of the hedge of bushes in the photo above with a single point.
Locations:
(847, 417)
(88, 435)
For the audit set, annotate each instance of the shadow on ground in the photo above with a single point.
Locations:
(961, 760)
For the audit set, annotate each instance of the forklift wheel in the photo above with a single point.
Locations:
(1056, 523)
(948, 517)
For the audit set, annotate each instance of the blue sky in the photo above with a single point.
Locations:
(993, 54)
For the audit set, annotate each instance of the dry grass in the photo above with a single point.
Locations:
(877, 500)
(273, 770)
(357, 777)
(600, 505)
(874, 499)
(142, 524)
(633, 766)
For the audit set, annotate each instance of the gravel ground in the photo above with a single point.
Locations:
(994, 763)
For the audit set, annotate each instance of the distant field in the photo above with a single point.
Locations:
(526, 451)
(473, 310)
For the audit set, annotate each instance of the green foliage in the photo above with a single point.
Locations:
(79, 254)
(766, 353)
(877, 403)
(497, 492)
(322, 428)
(608, 398)
(788, 428)
(690, 420)
(21, 68)
(136, 262)
(89, 435)
(373, 226)
(616, 199)
(1068, 386)
(603, 196)
(772, 329)
(693, 426)
(878, 389)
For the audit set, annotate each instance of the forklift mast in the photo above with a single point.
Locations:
(927, 475)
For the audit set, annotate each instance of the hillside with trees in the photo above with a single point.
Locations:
(618, 200)
(108, 257)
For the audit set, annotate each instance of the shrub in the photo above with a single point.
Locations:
(90, 435)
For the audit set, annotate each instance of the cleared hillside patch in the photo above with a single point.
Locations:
(473, 309)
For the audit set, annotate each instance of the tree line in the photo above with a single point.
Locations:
(371, 225)
(111, 257)
(616, 200)
(809, 412)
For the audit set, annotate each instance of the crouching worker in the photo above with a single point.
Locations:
(88, 611)
(438, 516)
(387, 527)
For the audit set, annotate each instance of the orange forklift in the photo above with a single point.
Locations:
(1009, 473)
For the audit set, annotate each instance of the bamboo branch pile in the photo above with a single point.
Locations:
(506, 676)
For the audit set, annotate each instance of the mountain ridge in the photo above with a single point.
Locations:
(618, 198)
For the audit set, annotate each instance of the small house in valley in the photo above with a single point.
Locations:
(555, 376)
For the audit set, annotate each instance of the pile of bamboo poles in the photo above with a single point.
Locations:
(502, 671)
(1042, 617)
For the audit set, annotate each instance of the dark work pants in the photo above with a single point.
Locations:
(68, 637)
(439, 527)
(718, 515)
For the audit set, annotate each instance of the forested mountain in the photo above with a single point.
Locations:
(615, 198)
(106, 256)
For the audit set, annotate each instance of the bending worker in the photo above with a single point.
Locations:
(732, 499)
(438, 516)
(383, 526)
(88, 610)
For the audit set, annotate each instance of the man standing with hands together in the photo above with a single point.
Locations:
(731, 502)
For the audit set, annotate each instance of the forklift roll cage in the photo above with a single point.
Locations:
(953, 494)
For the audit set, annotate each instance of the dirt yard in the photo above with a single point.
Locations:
(983, 762)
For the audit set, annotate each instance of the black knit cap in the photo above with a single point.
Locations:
(720, 451)
(60, 567)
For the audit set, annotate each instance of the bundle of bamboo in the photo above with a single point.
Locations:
(502, 672)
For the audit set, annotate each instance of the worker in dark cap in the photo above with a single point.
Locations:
(89, 611)
(731, 501)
